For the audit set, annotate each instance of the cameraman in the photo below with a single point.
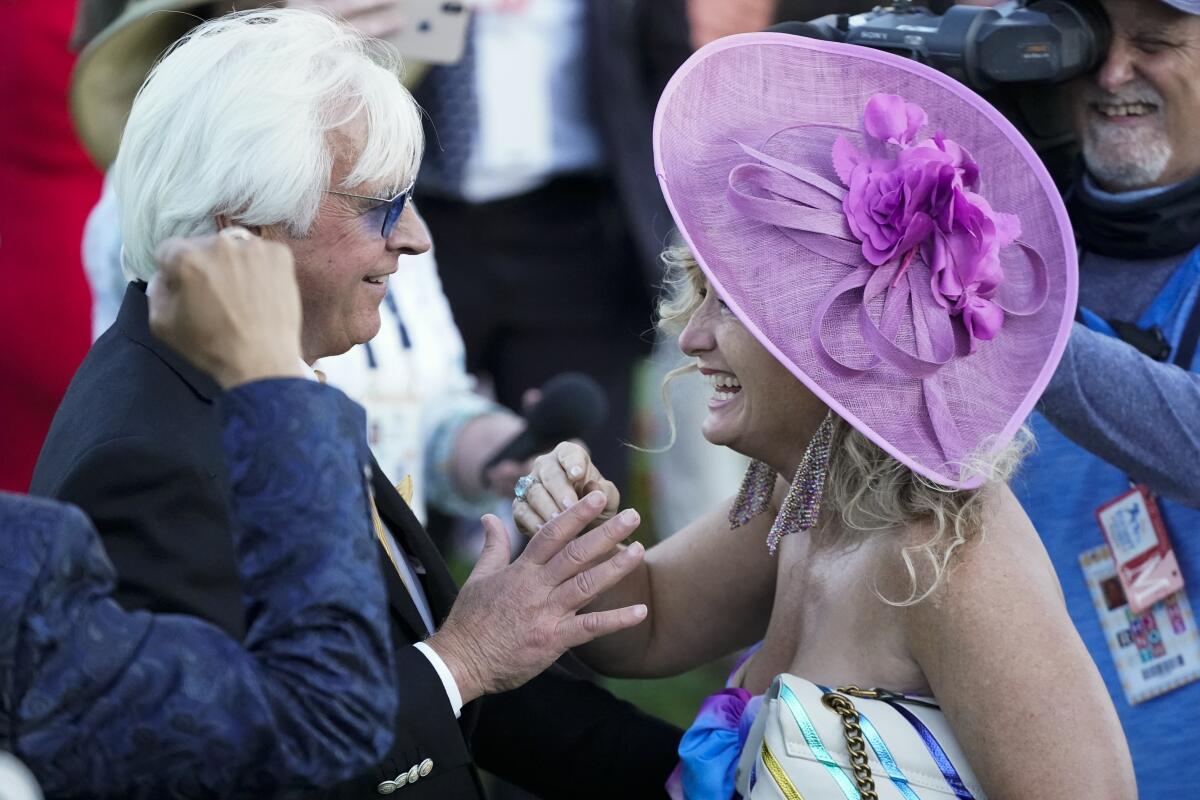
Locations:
(1119, 430)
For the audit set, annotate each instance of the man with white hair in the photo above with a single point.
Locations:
(295, 127)
(1124, 407)
(303, 701)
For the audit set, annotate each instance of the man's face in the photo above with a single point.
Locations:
(342, 265)
(1138, 115)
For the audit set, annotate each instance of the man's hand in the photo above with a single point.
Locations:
(382, 19)
(229, 304)
(511, 621)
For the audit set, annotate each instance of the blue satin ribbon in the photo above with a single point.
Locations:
(710, 748)
(886, 758)
(882, 753)
(809, 731)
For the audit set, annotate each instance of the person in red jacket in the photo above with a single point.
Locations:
(47, 188)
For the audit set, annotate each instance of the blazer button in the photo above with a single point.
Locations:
(386, 787)
(413, 774)
(401, 779)
(426, 767)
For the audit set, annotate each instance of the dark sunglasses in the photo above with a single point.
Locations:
(388, 210)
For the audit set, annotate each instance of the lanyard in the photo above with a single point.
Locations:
(1152, 329)
(405, 340)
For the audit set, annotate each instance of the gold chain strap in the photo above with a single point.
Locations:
(854, 742)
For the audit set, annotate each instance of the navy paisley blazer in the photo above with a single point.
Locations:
(103, 702)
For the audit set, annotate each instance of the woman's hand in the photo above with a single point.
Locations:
(560, 478)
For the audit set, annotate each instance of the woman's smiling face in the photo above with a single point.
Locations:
(757, 408)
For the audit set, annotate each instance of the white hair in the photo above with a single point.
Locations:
(236, 120)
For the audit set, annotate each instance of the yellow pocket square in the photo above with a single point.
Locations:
(405, 488)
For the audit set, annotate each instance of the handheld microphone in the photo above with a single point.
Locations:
(572, 406)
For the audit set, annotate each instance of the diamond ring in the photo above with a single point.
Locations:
(524, 484)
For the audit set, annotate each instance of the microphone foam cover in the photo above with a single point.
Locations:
(572, 405)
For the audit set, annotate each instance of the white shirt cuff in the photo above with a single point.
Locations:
(439, 666)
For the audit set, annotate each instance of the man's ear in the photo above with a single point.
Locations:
(224, 222)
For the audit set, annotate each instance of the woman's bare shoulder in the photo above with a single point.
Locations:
(1005, 553)
(994, 641)
(1008, 546)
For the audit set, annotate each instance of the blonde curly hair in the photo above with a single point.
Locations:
(866, 488)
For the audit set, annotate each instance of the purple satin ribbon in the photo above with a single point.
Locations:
(712, 745)
(936, 752)
(710, 748)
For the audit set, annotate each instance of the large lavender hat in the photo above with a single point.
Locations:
(1186, 6)
(886, 234)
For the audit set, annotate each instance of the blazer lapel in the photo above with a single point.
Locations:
(440, 588)
(133, 320)
(401, 601)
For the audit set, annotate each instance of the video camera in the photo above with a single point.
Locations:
(1016, 55)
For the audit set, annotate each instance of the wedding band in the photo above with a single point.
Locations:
(237, 234)
(524, 484)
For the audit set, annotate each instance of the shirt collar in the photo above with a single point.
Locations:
(310, 373)
(1134, 196)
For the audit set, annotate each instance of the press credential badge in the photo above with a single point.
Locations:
(1156, 650)
(1137, 537)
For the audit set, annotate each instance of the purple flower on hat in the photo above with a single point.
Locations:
(964, 262)
(889, 118)
(893, 202)
(921, 196)
(888, 206)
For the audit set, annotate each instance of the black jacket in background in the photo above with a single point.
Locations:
(136, 444)
(633, 49)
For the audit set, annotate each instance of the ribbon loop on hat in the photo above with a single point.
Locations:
(1037, 296)
(784, 202)
(804, 176)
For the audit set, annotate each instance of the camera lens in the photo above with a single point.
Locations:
(1085, 33)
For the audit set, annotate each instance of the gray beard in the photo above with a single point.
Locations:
(1125, 160)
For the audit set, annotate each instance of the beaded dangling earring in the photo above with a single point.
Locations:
(802, 505)
(755, 495)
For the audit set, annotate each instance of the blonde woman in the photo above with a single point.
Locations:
(878, 281)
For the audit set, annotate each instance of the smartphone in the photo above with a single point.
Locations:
(435, 31)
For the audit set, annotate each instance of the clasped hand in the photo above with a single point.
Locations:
(560, 477)
(511, 621)
(229, 304)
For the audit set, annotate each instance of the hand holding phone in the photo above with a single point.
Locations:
(380, 19)
(434, 31)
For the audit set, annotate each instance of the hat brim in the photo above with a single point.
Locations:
(1186, 6)
(736, 86)
(113, 66)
